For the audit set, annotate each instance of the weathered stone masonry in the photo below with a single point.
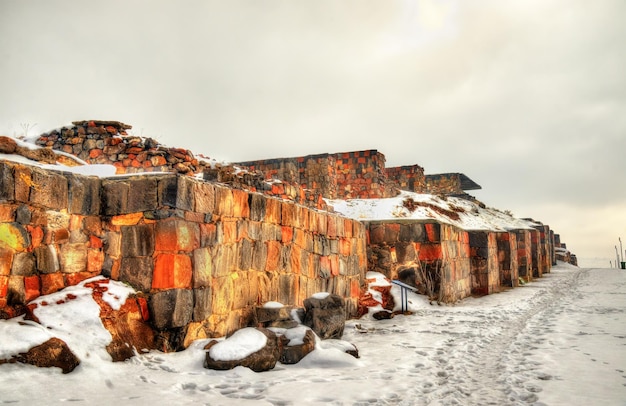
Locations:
(202, 254)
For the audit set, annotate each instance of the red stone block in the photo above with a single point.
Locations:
(142, 303)
(135, 163)
(114, 141)
(95, 242)
(286, 234)
(432, 232)
(172, 271)
(52, 282)
(32, 288)
(95, 259)
(72, 279)
(430, 252)
(4, 286)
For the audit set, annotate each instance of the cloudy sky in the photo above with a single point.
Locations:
(528, 97)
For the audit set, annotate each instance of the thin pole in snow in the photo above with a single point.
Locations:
(616, 257)
(621, 249)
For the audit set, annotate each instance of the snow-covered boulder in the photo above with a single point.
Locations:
(254, 348)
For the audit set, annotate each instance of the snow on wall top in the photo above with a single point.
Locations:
(412, 206)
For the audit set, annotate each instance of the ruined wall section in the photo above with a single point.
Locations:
(108, 142)
(347, 175)
(202, 254)
(413, 252)
(443, 184)
(409, 178)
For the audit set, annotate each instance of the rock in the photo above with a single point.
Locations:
(292, 354)
(44, 155)
(52, 353)
(7, 145)
(325, 315)
(383, 315)
(259, 361)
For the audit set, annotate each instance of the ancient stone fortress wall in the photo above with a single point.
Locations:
(413, 251)
(524, 255)
(407, 178)
(347, 175)
(443, 184)
(202, 254)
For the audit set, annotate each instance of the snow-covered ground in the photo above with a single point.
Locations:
(560, 340)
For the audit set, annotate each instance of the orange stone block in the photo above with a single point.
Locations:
(4, 286)
(32, 288)
(72, 279)
(52, 282)
(95, 242)
(127, 219)
(430, 252)
(286, 234)
(7, 213)
(273, 256)
(431, 232)
(334, 265)
(95, 259)
(331, 227)
(241, 208)
(178, 235)
(325, 264)
(345, 247)
(355, 288)
(172, 271)
(230, 231)
(95, 153)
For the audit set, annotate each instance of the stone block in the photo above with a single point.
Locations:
(273, 256)
(202, 267)
(73, 258)
(137, 241)
(287, 214)
(23, 214)
(14, 236)
(202, 304)
(177, 235)
(49, 190)
(273, 211)
(228, 228)
(51, 283)
(430, 252)
(204, 197)
(84, 194)
(433, 231)
(208, 234)
(288, 289)
(224, 203)
(95, 260)
(6, 260)
(7, 183)
(23, 183)
(222, 300)
(377, 234)
(167, 190)
(32, 288)
(16, 293)
(114, 196)
(259, 256)
(241, 208)
(142, 194)
(137, 272)
(257, 204)
(185, 193)
(171, 308)
(23, 264)
(172, 271)
(225, 260)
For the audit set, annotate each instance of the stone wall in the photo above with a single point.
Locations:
(443, 184)
(407, 178)
(346, 175)
(484, 263)
(107, 142)
(202, 254)
(411, 251)
(508, 259)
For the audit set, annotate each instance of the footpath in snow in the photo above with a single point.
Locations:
(560, 340)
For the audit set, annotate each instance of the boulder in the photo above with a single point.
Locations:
(326, 315)
(263, 359)
(7, 145)
(52, 353)
(297, 344)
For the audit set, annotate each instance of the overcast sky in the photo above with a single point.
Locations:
(528, 97)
